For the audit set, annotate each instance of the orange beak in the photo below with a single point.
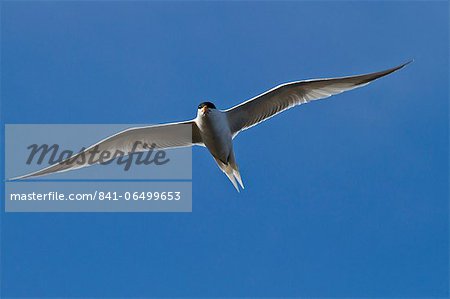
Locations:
(204, 110)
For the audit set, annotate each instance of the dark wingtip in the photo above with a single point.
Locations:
(406, 63)
(401, 66)
(374, 76)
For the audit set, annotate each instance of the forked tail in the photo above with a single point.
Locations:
(232, 171)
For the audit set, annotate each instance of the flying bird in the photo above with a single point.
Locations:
(215, 129)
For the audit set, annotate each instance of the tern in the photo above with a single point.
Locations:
(215, 129)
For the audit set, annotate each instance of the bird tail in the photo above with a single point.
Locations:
(231, 170)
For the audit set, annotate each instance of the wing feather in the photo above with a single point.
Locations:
(285, 96)
(129, 141)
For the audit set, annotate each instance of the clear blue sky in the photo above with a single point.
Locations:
(344, 197)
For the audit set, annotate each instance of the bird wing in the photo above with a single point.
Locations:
(285, 96)
(126, 142)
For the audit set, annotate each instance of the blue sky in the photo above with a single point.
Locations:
(344, 197)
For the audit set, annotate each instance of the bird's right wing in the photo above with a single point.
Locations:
(283, 97)
(129, 141)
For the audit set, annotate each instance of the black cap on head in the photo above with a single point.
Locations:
(207, 104)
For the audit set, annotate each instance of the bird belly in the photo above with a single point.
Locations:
(216, 136)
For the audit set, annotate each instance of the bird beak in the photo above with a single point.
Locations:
(204, 110)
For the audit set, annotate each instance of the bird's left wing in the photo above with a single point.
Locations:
(283, 97)
(129, 141)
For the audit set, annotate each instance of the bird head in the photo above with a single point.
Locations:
(205, 107)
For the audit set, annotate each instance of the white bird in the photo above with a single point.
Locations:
(215, 129)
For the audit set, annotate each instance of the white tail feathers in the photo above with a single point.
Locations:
(232, 171)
